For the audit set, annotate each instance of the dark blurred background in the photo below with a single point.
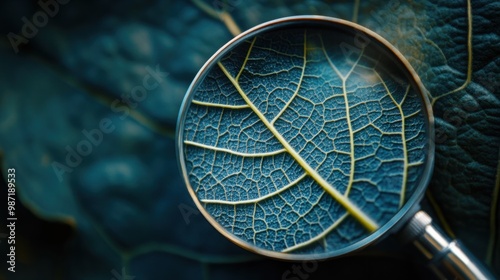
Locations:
(120, 209)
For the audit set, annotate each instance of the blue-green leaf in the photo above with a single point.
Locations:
(41, 114)
(293, 144)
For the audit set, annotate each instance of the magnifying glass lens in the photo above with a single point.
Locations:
(305, 138)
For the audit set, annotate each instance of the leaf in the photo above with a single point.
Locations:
(292, 145)
(453, 46)
(107, 51)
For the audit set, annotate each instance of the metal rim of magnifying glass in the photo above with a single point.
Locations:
(410, 206)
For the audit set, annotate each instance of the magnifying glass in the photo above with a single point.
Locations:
(310, 138)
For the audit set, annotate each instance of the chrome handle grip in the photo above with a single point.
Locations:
(447, 258)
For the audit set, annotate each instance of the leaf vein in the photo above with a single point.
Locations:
(365, 220)
(317, 237)
(403, 139)
(218, 149)
(219, 105)
(258, 199)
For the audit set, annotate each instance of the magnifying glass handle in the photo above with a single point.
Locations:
(448, 258)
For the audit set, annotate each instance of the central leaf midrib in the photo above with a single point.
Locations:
(357, 213)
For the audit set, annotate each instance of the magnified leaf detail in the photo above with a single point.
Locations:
(295, 145)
